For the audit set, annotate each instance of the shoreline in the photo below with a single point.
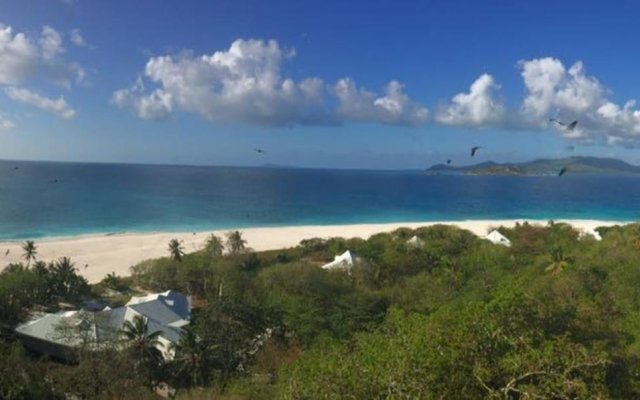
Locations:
(197, 230)
(96, 255)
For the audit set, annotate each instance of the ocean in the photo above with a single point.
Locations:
(44, 199)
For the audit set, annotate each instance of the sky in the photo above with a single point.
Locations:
(376, 84)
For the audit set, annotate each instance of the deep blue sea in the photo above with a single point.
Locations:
(41, 199)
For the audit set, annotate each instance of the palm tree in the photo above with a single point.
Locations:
(213, 246)
(235, 242)
(112, 281)
(176, 250)
(64, 268)
(13, 268)
(559, 261)
(143, 344)
(40, 268)
(30, 251)
(66, 283)
(137, 333)
(190, 357)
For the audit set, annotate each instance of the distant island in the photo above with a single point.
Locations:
(573, 165)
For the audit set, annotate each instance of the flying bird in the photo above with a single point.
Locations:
(562, 171)
(571, 126)
(474, 149)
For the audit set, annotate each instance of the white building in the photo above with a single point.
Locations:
(415, 241)
(496, 237)
(343, 261)
(591, 232)
(57, 334)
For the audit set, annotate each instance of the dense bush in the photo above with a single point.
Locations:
(556, 315)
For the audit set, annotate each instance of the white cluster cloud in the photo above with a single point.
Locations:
(395, 107)
(476, 108)
(77, 39)
(154, 106)
(25, 59)
(58, 106)
(554, 90)
(245, 84)
(551, 86)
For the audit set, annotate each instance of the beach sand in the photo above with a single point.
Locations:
(100, 254)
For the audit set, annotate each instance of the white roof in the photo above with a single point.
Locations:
(591, 232)
(344, 260)
(414, 241)
(496, 237)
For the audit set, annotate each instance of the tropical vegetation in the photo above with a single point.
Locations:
(556, 315)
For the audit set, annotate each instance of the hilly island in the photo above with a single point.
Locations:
(572, 165)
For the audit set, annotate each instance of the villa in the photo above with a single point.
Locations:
(57, 334)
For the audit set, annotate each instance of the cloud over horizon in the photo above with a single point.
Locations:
(55, 106)
(569, 93)
(25, 59)
(394, 107)
(477, 108)
(245, 84)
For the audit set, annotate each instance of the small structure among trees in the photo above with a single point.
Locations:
(342, 261)
(496, 237)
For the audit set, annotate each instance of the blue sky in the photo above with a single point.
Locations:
(371, 84)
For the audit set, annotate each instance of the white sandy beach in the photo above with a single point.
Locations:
(97, 255)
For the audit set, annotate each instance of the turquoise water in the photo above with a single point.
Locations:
(57, 199)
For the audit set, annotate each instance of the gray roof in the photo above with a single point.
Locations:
(68, 328)
(156, 310)
(168, 332)
(165, 312)
(109, 322)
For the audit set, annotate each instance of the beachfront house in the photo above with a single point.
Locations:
(415, 241)
(57, 334)
(342, 261)
(496, 237)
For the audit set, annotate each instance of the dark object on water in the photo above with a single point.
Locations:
(258, 150)
(16, 168)
(448, 162)
(474, 149)
(562, 171)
